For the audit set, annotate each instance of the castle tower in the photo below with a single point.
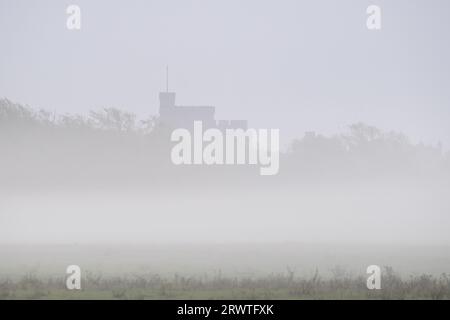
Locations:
(173, 116)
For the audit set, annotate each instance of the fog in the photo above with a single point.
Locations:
(296, 65)
(66, 182)
(363, 115)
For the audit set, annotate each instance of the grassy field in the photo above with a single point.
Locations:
(274, 286)
(256, 271)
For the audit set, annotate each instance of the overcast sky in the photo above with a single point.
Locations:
(288, 64)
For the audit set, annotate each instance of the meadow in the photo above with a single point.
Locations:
(274, 286)
(257, 271)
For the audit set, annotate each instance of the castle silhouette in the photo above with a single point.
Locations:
(174, 116)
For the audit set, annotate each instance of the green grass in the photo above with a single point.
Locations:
(280, 286)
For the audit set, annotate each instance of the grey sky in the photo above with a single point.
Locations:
(289, 64)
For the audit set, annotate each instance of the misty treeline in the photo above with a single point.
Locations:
(114, 146)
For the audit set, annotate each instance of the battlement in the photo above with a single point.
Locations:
(174, 116)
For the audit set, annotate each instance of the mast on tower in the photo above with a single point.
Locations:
(167, 78)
